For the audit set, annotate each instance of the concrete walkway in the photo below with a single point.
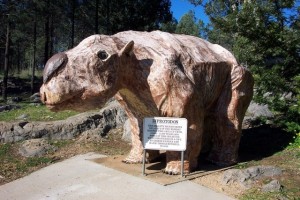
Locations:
(80, 178)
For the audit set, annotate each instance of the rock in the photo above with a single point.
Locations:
(16, 99)
(23, 116)
(8, 107)
(264, 171)
(114, 113)
(256, 110)
(35, 98)
(246, 177)
(273, 186)
(35, 147)
(236, 175)
(90, 136)
(101, 122)
(35, 95)
(127, 131)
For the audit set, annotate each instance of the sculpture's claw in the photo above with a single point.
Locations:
(135, 158)
(131, 161)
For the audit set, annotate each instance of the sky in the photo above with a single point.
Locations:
(181, 7)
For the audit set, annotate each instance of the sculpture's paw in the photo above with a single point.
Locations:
(174, 168)
(135, 157)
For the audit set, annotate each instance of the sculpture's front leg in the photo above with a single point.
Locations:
(136, 153)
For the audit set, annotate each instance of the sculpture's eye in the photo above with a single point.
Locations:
(102, 54)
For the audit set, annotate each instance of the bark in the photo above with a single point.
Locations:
(51, 35)
(73, 23)
(6, 63)
(34, 54)
(47, 33)
(107, 17)
(96, 18)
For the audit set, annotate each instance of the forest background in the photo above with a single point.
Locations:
(263, 35)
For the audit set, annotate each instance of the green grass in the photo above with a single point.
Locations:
(255, 194)
(60, 143)
(4, 149)
(296, 142)
(24, 166)
(35, 113)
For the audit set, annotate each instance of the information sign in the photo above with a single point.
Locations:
(165, 133)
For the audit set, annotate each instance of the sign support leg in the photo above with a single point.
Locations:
(182, 163)
(144, 158)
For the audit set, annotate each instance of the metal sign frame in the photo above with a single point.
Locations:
(159, 133)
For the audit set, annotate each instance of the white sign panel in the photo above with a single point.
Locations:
(165, 133)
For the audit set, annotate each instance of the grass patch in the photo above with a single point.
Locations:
(35, 161)
(289, 161)
(35, 113)
(256, 194)
(28, 163)
(4, 149)
(60, 143)
(14, 166)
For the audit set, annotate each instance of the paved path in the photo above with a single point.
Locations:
(80, 178)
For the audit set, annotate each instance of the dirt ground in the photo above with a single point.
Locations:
(208, 175)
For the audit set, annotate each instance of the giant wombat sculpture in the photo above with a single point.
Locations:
(157, 74)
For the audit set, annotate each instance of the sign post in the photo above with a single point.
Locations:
(165, 133)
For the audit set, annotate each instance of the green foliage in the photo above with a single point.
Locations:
(169, 26)
(264, 36)
(189, 25)
(294, 128)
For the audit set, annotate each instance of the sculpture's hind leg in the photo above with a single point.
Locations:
(229, 114)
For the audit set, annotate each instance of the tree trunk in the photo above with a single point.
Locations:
(73, 22)
(6, 62)
(107, 17)
(51, 36)
(47, 32)
(34, 54)
(18, 57)
(96, 17)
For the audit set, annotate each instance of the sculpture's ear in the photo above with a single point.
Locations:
(127, 49)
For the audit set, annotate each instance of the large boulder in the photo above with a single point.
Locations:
(35, 147)
(246, 177)
(109, 117)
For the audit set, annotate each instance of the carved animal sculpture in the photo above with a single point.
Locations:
(157, 74)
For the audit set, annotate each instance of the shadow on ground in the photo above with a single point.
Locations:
(261, 142)
(256, 144)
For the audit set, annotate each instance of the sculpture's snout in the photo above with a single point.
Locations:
(55, 63)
